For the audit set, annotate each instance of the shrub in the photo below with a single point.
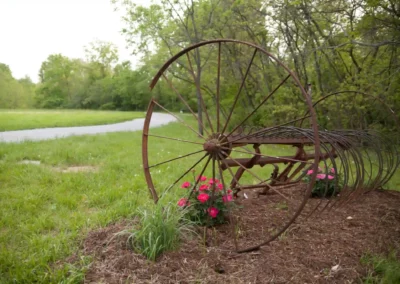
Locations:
(160, 229)
(207, 204)
(326, 184)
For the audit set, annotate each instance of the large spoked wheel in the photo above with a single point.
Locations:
(230, 99)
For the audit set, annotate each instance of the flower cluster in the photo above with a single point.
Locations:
(208, 201)
(325, 184)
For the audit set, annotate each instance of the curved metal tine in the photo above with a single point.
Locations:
(265, 130)
(239, 91)
(201, 173)
(262, 102)
(229, 205)
(325, 146)
(175, 139)
(267, 156)
(359, 175)
(179, 119)
(199, 93)
(185, 173)
(355, 173)
(183, 101)
(373, 180)
(174, 159)
(257, 177)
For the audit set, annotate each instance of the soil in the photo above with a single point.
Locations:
(324, 248)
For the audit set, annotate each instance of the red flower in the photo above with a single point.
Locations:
(203, 197)
(220, 186)
(227, 198)
(201, 178)
(203, 187)
(186, 184)
(211, 181)
(229, 191)
(213, 212)
(183, 202)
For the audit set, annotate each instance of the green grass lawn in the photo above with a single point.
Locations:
(45, 213)
(30, 119)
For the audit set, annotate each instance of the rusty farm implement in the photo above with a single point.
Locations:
(249, 123)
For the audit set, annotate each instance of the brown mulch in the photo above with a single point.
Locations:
(324, 248)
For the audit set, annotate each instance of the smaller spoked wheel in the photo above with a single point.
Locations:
(236, 107)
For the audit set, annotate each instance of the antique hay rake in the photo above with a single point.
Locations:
(249, 123)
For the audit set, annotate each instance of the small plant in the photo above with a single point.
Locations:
(326, 184)
(160, 229)
(207, 203)
(382, 269)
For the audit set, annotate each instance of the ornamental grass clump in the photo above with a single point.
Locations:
(326, 184)
(160, 229)
(207, 203)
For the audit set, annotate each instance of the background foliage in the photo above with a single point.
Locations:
(332, 45)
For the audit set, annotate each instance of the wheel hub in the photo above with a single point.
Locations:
(218, 146)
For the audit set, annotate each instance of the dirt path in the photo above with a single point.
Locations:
(325, 248)
(158, 119)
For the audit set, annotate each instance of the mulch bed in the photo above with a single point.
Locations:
(323, 248)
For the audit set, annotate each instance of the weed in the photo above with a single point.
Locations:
(383, 270)
(160, 229)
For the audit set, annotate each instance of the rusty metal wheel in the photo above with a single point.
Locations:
(250, 103)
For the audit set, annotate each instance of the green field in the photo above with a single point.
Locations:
(47, 209)
(30, 119)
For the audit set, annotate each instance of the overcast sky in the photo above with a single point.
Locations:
(31, 30)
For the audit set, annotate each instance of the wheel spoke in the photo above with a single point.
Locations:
(174, 159)
(182, 100)
(218, 84)
(192, 167)
(263, 101)
(179, 119)
(200, 96)
(228, 206)
(201, 173)
(239, 91)
(229, 169)
(264, 130)
(176, 139)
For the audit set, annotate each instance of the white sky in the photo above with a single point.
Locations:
(31, 30)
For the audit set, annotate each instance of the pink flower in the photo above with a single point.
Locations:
(203, 187)
(229, 191)
(213, 212)
(202, 178)
(227, 198)
(183, 201)
(220, 186)
(203, 197)
(324, 176)
(186, 184)
(333, 170)
(211, 181)
(310, 172)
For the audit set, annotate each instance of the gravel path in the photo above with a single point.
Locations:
(157, 119)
